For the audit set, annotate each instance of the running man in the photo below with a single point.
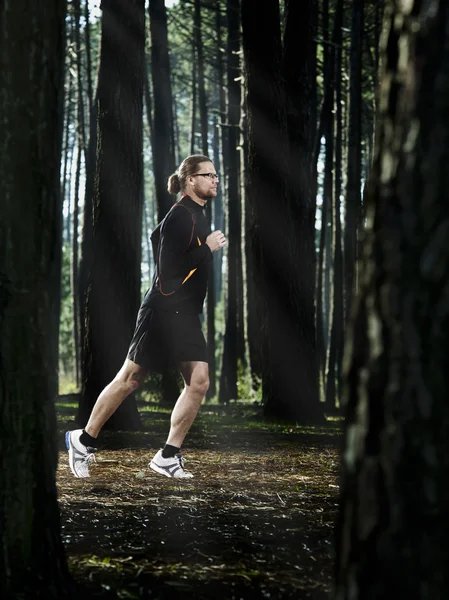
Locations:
(168, 329)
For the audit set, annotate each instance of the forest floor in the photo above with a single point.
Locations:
(257, 521)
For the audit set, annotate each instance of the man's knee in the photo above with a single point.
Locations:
(131, 376)
(133, 384)
(200, 384)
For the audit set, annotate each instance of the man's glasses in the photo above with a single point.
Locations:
(211, 176)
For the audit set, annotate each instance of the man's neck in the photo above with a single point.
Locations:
(202, 202)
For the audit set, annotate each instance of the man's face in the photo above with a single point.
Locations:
(205, 187)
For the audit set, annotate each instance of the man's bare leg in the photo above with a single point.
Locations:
(127, 380)
(196, 380)
(168, 461)
(81, 443)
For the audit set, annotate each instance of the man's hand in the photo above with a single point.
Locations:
(216, 240)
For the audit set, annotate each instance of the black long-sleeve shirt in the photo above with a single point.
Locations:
(182, 260)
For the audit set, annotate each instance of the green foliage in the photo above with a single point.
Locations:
(249, 385)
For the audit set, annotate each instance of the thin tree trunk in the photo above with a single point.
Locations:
(74, 269)
(80, 78)
(66, 153)
(162, 141)
(202, 102)
(353, 189)
(220, 141)
(149, 107)
(228, 379)
(325, 129)
(334, 203)
(85, 264)
(336, 337)
(193, 101)
(90, 94)
(163, 152)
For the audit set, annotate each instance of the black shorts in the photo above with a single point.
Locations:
(162, 339)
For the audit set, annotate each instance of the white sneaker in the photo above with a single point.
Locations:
(80, 456)
(170, 467)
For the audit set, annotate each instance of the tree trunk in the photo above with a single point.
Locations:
(86, 253)
(66, 153)
(394, 508)
(113, 285)
(354, 179)
(74, 269)
(219, 152)
(162, 141)
(32, 40)
(80, 79)
(299, 75)
(333, 379)
(274, 226)
(193, 102)
(233, 329)
(163, 151)
(325, 129)
(90, 94)
(202, 103)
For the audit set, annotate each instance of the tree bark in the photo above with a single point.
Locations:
(162, 141)
(299, 72)
(74, 271)
(32, 562)
(163, 151)
(354, 178)
(274, 226)
(113, 284)
(204, 121)
(333, 377)
(233, 328)
(394, 507)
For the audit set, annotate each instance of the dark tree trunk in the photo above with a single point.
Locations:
(193, 101)
(113, 284)
(394, 509)
(233, 328)
(336, 334)
(327, 240)
(66, 153)
(354, 177)
(202, 99)
(220, 141)
(149, 106)
(80, 78)
(325, 129)
(202, 103)
(265, 174)
(163, 151)
(90, 94)
(274, 228)
(86, 234)
(162, 141)
(299, 357)
(32, 561)
(74, 269)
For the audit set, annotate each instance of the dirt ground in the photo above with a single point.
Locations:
(257, 520)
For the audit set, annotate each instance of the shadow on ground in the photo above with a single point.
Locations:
(257, 521)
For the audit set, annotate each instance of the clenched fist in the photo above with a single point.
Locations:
(216, 240)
